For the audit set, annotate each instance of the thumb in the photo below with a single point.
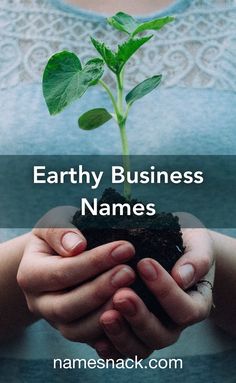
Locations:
(197, 260)
(56, 229)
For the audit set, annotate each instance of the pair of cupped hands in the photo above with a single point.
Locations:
(85, 294)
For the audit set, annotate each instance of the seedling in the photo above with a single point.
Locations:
(65, 79)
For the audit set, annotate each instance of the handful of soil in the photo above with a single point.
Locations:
(158, 237)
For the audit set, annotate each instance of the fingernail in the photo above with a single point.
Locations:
(123, 252)
(148, 271)
(187, 273)
(113, 327)
(71, 240)
(123, 277)
(126, 307)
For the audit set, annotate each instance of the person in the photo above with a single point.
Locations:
(197, 67)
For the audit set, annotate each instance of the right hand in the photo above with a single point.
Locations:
(67, 285)
(130, 318)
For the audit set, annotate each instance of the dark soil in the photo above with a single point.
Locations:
(158, 237)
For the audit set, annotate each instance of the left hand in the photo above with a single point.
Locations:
(131, 329)
(66, 284)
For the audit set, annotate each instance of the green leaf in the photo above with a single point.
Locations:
(116, 60)
(64, 79)
(126, 50)
(94, 118)
(126, 23)
(143, 89)
(93, 70)
(107, 54)
(123, 22)
(153, 25)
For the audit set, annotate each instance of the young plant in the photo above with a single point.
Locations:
(66, 80)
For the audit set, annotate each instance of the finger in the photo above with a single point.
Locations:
(106, 350)
(147, 327)
(121, 336)
(57, 230)
(87, 329)
(197, 259)
(72, 305)
(53, 273)
(183, 308)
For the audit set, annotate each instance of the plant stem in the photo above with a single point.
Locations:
(107, 89)
(121, 120)
(121, 117)
(120, 93)
(126, 157)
